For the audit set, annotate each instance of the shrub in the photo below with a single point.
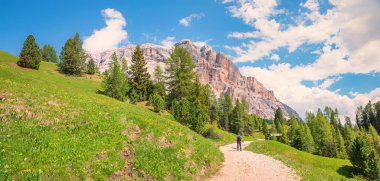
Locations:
(157, 102)
(134, 96)
(212, 134)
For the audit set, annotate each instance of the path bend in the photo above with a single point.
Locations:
(246, 165)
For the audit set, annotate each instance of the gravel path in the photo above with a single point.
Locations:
(246, 165)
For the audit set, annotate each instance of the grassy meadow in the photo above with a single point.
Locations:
(55, 126)
(308, 166)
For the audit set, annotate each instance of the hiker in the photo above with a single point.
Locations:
(239, 138)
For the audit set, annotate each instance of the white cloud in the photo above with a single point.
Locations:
(328, 82)
(168, 42)
(187, 20)
(243, 35)
(312, 5)
(227, 1)
(108, 37)
(202, 43)
(351, 43)
(275, 57)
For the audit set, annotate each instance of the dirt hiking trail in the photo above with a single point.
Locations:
(246, 165)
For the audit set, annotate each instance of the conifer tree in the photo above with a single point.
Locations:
(30, 56)
(181, 75)
(139, 77)
(284, 137)
(49, 54)
(322, 134)
(364, 159)
(227, 110)
(265, 129)
(236, 122)
(114, 82)
(159, 81)
(72, 57)
(308, 143)
(339, 145)
(198, 118)
(278, 119)
(91, 68)
(374, 138)
(294, 133)
(124, 65)
(377, 110)
(273, 130)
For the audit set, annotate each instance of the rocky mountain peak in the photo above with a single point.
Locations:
(214, 69)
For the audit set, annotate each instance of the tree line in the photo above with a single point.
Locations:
(324, 134)
(72, 60)
(178, 91)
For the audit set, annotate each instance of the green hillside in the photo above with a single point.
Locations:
(308, 166)
(55, 126)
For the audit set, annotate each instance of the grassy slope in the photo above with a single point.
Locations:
(308, 166)
(53, 126)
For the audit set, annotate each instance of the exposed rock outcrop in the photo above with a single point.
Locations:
(215, 69)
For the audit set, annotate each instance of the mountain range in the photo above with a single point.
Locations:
(212, 68)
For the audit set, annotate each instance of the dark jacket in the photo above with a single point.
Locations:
(239, 138)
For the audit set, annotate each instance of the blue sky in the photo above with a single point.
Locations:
(312, 53)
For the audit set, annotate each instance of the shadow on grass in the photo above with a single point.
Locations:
(346, 171)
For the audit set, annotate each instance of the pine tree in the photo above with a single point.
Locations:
(139, 78)
(49, 54)
(278, 120)
(181, 111)
(72, 57)
(349, 135)
(307, 139)
(273, 130)
(30, 56)
(374, 138)
(364, 159)
(181, 75)
(339, 144)
(114, 82)
(226, 111)
(377, 110)
(322, 134)
(265, 129)
(294, 133)
(198, 118)
(284, 137)
(91, 68)
(124, 66)
(236, 123)
(159, 81)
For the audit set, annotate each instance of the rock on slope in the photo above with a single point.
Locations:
(215, 69)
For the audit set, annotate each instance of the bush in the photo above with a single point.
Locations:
(157, 102)
(212, 134)
(134, 97)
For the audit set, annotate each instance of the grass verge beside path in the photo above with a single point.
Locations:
(308, 166)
